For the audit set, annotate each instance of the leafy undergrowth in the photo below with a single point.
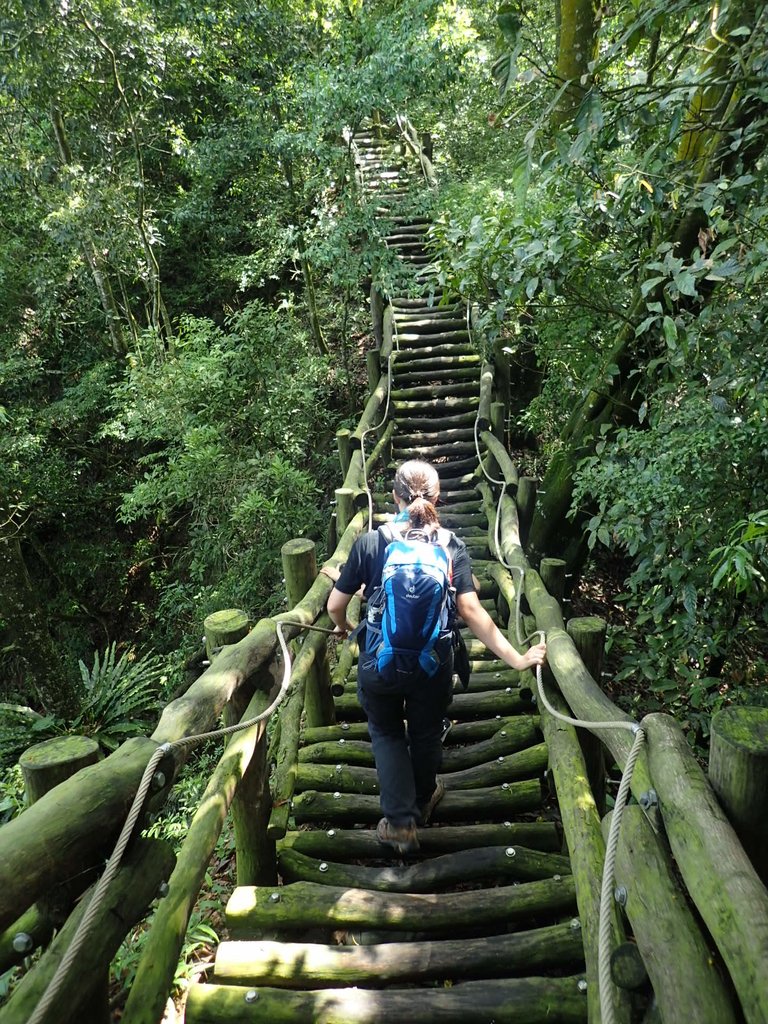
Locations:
(740, 681)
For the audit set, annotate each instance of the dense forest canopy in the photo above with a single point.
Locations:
(184, 263)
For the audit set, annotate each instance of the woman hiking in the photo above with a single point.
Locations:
(393, 690)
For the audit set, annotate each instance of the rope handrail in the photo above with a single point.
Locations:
(116, 857)
(605, 982)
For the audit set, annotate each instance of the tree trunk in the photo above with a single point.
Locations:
(578, 28)
(90, 251)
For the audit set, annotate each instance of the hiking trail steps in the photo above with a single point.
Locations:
(480, 924)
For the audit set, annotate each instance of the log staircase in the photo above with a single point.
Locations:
(481, 925)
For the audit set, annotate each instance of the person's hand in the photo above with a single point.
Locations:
(342, 632)
(536, 656)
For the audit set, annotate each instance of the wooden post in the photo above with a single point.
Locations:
(43, 767)
(377, 315)
(552, 572)
(228, 626)
(497, 428)
(738, 771)
(373, 365)
(526, 503)
(300, 568)
(588, 635)
(345, 508)
(343, 443)
(726, 889)
(46, 764)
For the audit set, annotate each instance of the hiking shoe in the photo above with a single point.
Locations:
(427, 808)
(403, 839)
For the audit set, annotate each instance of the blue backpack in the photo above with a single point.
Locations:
(411, 614)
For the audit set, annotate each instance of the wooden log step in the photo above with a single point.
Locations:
(342, 778)
(522, 1000)
(465, 449)
(330, 778)
(470, 705)
(465, 520)
(524, 764)
(447, 403)
(492, 803)
(301, 964)
(421, 326)
(485, 705)
(429, 351)
(519, 734)
(439, 874)
(439, 438)
(303, 905)
(419, 340)
(449, 502)
(437, 422)
(329, 733)
(430, 314)
(339, 751)
(409, 361)
(432, 391)
(405, 378)
(361, 844)
(516, 732)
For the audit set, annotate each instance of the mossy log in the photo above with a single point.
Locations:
(720, 878)
(224, 627)
(340, 751)
(304, 965)
(431, 391)
(483, 704)
(491, 863)
(501, 457)
(361, 844)
(50, 762)
(505, 768)
(738, 771)
(34, 928)
(588, 702)
(588, 635)
(583, 834)
(522, 1000)
(471, 732)
(70, 828)
(498, 801)
(125, 902)
(333, 733)
(685, 980)
(307, 904)
(327, 778)
(517, 734)
(160, 955)
(284, 776)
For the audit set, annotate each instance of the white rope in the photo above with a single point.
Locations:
(112, 865)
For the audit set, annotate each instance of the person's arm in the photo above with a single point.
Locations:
(486, 630)
(337, 610)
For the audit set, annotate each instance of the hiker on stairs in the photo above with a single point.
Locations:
(412, 589)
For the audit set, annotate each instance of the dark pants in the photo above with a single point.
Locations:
(407, 763)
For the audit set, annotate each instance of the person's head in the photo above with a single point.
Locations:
(417, 485)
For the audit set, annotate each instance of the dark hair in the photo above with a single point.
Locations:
(418, 484)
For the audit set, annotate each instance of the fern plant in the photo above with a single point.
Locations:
(120, 695)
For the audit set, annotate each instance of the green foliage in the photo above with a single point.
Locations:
(120, 696)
